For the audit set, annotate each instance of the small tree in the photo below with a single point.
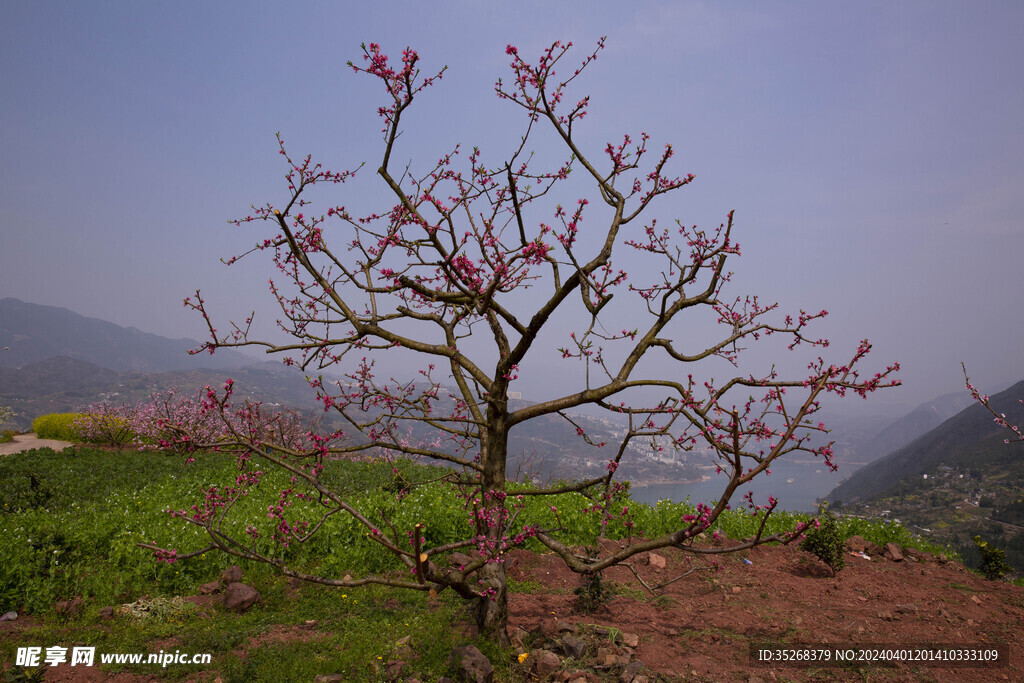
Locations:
(993, 560)
(105, 422)
(467, 269)
(826, 541)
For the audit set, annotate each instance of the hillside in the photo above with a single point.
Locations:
(959, 481)
(33, 333)
(967, 441)
(917, 422)
(65, 384)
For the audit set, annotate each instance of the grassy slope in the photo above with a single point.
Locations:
(70, 524)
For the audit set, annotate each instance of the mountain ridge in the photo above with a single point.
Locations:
(968, 439)
(34, 333)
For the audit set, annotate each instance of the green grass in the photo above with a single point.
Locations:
(70, 522)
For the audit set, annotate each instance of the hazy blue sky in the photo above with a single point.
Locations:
(873, 151)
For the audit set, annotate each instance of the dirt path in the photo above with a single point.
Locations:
(25, 442)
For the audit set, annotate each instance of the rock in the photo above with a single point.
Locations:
(238, 597)
(609, 657)
(913, 554)
(632, 672)
(518, 638)
(566, 627)
(574, 647)
(10, 616)
(107, 613)
(608, 546)
(232, 574)
(471, 666)
(395, 670)
(548, 628)
(630, 640)
(69, 608)
(403, 648)
(578, 676)
(329, 678)
(886, 615)
(892, 552)
(736, 589)
(856, 544)
(611, 661)
(656, 561)
(545, 663)
(210, 588)
(906, 609)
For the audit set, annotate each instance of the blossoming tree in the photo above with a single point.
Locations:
(467, 268)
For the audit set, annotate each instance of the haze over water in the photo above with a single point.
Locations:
(797, 485)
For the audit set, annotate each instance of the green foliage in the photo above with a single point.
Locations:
(17, 674)
(592, 594)
(7, 435)
(57, 426)
(70, 523)
(826, 542)
(993, 560)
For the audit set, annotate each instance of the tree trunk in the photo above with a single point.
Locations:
(491, 611)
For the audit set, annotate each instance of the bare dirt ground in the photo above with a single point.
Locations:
(703, 626)
(25, 442)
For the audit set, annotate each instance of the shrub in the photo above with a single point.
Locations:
(993, 560)
(107, 424)
(826, 542)
(7, 435)
(57, 426)
(592, 594)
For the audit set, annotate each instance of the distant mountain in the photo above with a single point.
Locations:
(54, 375)
(917, 422)
(34, 333)
(968, 440)
(63, 384)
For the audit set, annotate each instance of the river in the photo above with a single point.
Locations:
(796, 485)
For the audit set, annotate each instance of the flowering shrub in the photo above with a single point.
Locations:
(107, 424)
(60, 426)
